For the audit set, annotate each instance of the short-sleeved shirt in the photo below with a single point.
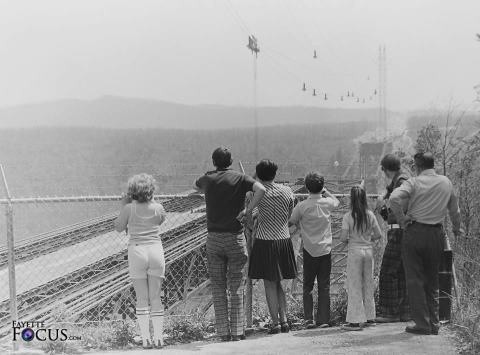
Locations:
(274, 211)
(143, 221)
(225, 191)
(314, 217)
(356, 238)
(429, 196)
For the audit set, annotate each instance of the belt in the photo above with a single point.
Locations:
(394, 226)
(437, 225)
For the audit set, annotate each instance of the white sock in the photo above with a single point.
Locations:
(157, 321)
(143, 322)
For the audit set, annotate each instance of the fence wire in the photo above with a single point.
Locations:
(76, 260)
(71, 266)
(56, 179)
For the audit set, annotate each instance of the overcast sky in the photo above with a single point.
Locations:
(194, 51)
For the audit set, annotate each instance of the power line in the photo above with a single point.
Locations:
(306, 39)
(283, 67)
(237, 17)
(358, 83)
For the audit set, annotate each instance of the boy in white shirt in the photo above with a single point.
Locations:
(314, 217)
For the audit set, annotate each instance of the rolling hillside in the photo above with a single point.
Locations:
(125, 113)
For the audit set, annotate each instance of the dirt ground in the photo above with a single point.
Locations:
(381, 339)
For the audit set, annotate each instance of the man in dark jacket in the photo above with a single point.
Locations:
(393, 301)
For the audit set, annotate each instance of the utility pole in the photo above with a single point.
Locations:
(253, 46)
(382, 89)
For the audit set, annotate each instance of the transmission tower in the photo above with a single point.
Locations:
(382, 89)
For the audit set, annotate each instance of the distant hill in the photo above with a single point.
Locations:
(123, 113)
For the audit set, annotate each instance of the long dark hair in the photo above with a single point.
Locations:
(359, 208)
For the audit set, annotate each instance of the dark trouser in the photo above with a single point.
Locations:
(393, 301)
(227, 258)
(422, 250)
(317, 267)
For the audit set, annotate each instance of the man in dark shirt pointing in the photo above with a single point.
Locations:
(227, 256)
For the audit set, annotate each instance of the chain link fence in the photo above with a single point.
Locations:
(82, 266)
(70, 266)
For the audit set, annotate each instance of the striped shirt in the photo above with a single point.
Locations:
(274, 210)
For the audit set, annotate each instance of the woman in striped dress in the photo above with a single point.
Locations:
(272, 258)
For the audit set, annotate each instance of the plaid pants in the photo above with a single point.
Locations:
(227, 258)
(393, 300)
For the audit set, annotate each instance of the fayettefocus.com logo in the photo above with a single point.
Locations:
(29, 331)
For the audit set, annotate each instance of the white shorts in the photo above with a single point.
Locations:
(146, 259)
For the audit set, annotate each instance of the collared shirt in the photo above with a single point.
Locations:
(273, 212)
(313, 216)
(429, 196)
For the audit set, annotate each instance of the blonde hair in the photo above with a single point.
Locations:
(141, 187)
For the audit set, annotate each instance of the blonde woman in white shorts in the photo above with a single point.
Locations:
(141, 217)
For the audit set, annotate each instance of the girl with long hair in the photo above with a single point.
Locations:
(359, 229)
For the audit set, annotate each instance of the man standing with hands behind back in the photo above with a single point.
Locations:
(429, 197)
(225, 191)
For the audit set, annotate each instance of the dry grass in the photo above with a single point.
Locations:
(466, 312)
